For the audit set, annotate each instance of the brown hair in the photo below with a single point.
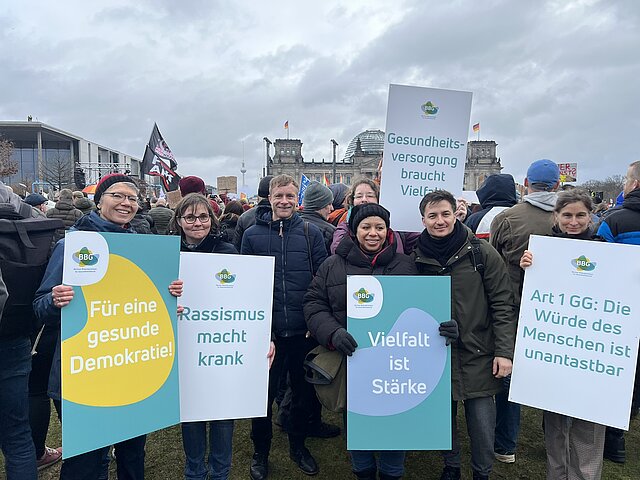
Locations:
(575, 195)
(189, 203)
(282, 181)
(362, 181)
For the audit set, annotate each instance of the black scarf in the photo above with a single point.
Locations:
(586, 235)
(442, 249)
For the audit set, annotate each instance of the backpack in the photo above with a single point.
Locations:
(25, 247)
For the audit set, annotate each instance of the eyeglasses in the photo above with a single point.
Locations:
(119, 197)
(367, 195)
(204, 218)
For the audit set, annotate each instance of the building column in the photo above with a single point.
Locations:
(40, 165)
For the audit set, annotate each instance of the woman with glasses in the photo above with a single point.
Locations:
(116, 197)
(363, 191)
(198, 228)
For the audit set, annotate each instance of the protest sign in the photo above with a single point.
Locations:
(119, 369)
(577, 340)
(425, 149)
(224, 336)
(399, 378)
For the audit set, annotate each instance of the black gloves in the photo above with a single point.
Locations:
(449, 329)
(343, 342)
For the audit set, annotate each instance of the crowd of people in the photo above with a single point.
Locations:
(337, 231)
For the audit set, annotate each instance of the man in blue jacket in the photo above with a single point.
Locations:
(299, 249)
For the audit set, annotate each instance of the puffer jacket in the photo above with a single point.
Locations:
(482, 304)
(43, 301)
(405, 241)
(295, 265)
(623, 225)
(325, 303)
(85, 205)
(498, 190)
(161, 217)
(246, 220)
(325, 227)
(67, 212)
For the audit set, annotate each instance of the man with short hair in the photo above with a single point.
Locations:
(161, 215)
(299, 250)
(509, 235)
(37, 201)
(623, 226)
(317, 205)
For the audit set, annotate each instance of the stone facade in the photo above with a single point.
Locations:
(481, 162)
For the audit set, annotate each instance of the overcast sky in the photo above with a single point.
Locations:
(556, 79)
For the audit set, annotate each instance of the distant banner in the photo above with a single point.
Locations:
(119, 358)
(578, 331)
(304, 183)
(224, 334)
(159, 161)
(425, 149)
(568, 172)
(399, 378)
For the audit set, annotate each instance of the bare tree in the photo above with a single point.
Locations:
(7, 166)
(58, 171)
(610, 186)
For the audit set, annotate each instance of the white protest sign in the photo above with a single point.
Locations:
(224, 336)
(425, 149)
(577, 340)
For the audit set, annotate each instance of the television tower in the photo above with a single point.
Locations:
(243, 170)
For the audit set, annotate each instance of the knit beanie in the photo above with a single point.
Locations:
(339, 192)
(316, 197)
(191, 184)
(360, 212)
(108, 180)
(263, 188)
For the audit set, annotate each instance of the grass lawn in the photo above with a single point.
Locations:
(165, 459)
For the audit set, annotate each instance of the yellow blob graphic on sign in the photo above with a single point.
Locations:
(126, 350)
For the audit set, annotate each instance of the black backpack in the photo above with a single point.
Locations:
(25, 247)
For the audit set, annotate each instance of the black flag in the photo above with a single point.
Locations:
(159, 161)
(155, 166)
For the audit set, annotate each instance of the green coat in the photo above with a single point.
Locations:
(485, 315)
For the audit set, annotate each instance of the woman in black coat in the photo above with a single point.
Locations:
(368, 249)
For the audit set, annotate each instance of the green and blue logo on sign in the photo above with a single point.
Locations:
(429, 109)
(583, 264)
(363, 296)
(85, 258)
(225, 277)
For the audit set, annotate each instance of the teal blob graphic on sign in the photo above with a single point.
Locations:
(429, 108)
(583, 264)
(225, 277)
(363, 296)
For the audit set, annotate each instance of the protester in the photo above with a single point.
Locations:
(116, 196)
(279, 232)
(248, 218)
(37, 201)
(368, 249)
(622, 225)
(509, 235)
(482, 305)
(192, 184)
(65, 211)
(229, 219)
(496, 194)
(574, 446)
(82, 203)
(161, 215)
(198, 229)
(339, 191)
(317, 205)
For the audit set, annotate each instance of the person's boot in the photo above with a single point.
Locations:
(323, 430)
(259, 469)
(479, 476)
(302, 457)
(369, 474)
(450, 473)
(614, 446)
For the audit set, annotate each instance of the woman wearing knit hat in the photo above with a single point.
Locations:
(368, 249)
(116, 197)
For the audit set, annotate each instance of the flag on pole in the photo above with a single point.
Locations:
(476, 128)
(159, 161)
(304, 183)
(325, 180)
(286, 125)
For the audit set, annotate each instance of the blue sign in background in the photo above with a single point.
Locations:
(399, 390)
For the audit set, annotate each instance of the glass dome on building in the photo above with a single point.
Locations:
(371, 141)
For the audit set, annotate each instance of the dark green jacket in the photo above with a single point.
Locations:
(485, 314)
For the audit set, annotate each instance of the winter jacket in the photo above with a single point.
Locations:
(297, 258)
(325, 303)
(161, 217)
(497, 191)
(482, 304)
(510, 232)
(85, 205)
(623, 226)
(67, 212)
(210, 244)
(325, 227)
(43, 301)
(228, 224)
(246, 220)
(143, 223)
